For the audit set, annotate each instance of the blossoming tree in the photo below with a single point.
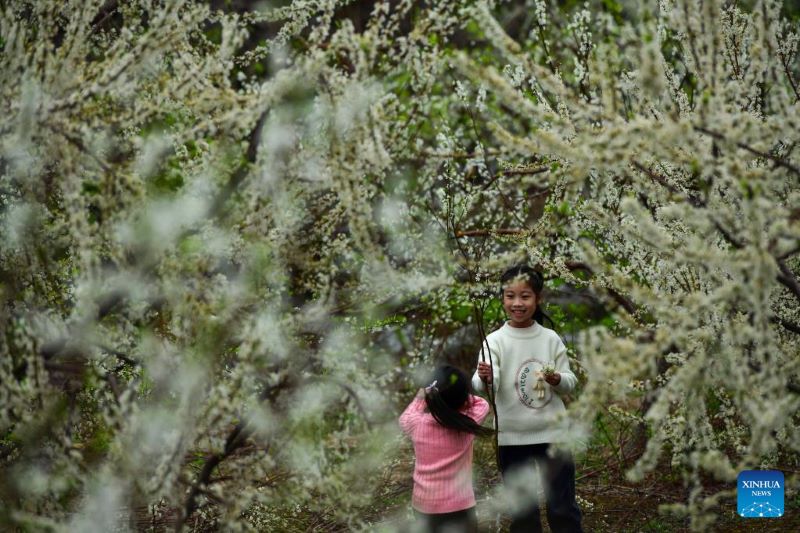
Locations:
(665, 146)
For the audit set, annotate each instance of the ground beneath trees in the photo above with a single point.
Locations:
(609, 503)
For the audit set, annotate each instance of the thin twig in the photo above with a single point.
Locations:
(489, 232)
(524, 171)
(788, 73)
(486, 351)
(459, 155)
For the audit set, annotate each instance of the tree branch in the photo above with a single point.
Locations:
(488, 232)
(733, 241)
(236, 437)
(350, 392)
(788, 279)
(459, 155)
(787, 70)
(106, 11)
(791, 326)
(744, 146)
(791, 386)
(524, 171)
(238, 176)
(661, 180)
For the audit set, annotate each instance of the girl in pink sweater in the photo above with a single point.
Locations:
(442, 421)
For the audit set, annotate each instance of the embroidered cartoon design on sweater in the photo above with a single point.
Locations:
(532, 389)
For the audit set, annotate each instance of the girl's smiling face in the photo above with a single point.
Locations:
(519, 302)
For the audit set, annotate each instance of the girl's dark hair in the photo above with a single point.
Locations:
(447, 395)
(532, 277)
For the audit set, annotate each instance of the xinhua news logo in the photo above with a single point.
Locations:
(759, 493)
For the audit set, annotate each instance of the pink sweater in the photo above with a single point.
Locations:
(443, 466)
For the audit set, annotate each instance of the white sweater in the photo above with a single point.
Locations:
(517, 355)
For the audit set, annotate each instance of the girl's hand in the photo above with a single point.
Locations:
(485, 372)
(550, 375)
(553, 378)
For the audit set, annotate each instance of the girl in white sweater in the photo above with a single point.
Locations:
(529, 372)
